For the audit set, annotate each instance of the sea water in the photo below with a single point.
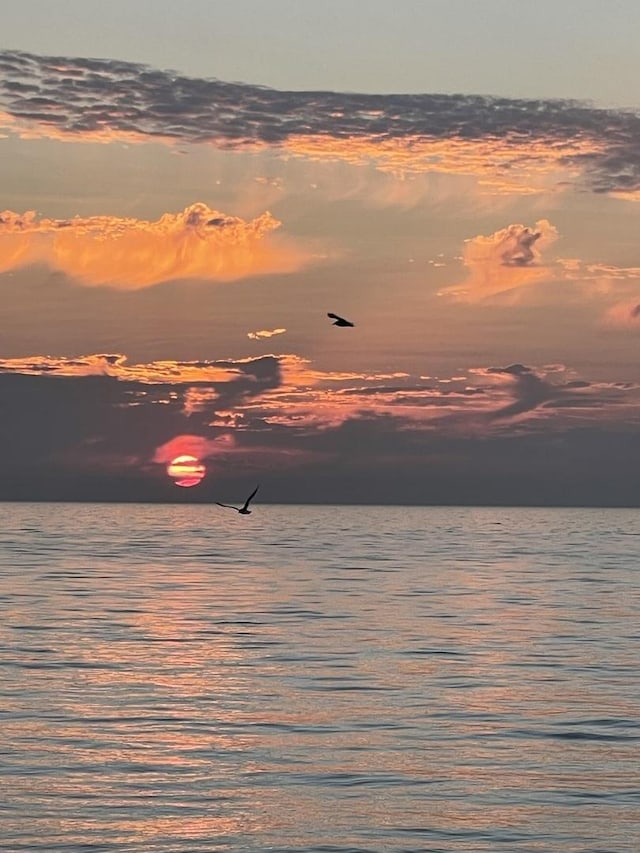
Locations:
(176, 679)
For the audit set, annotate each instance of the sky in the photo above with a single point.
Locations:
(187, 192)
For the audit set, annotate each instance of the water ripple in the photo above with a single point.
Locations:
(318, 680)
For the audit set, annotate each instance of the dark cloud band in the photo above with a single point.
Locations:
(96, 96)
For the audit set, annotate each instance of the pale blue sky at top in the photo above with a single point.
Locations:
(584, 49)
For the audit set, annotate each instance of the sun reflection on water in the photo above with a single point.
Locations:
(210, 685)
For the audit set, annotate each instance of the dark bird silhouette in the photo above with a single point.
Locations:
(339, 321)
(244, 510)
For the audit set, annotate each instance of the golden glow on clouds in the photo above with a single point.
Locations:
(609, 272)
(504, 261)
(514, 163)
(508, 144)
(116, 366)
(265, 333)
(628, 195)
(294, 369)
(501, 165)
(324, 408)
(7, 122)
(198, 242)
(312, 399)
(27, 129)
(198, 399)
(296, 372)
(297, 398)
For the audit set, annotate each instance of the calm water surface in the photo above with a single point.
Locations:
(176, 679)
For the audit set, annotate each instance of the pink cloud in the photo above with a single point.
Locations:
(506, 260)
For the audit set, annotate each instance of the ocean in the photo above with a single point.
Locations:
(313, 679)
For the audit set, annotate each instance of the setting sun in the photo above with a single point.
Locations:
(186, 470)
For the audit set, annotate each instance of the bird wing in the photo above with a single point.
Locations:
(228, 506)
(334, 316)
(251, 497)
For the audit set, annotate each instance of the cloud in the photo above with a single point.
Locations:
(193, 445)
(502, 165)
(117, 366)
(265, 333)
(198, 242)
(624, 314)
(494, 398)
(117, 423)
(489, 399)
(286, 391)
(111, 428)
(615, 286)
(544, 393)
(529, 391)
(503, 261)
(512, 145)
(190, 388)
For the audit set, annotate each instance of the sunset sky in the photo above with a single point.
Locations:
(188, 190)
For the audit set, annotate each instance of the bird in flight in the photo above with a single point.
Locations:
(339, 321)
(244, 510)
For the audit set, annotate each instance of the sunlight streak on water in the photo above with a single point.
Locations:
(319, 679)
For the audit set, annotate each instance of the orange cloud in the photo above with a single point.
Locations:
(624, 315)
(501, 165)
(265, 333)
(271, 396)
(129, 254)
(505, 260)
(116, 366)
(628, 195)
(511, 145)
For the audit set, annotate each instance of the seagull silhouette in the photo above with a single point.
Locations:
(244, 510)
(339, 321)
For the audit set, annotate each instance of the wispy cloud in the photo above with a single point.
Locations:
(511, 144)
(198, 242)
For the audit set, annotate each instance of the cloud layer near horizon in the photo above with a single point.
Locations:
(114, 426)
(285, 390)
(506, 142)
